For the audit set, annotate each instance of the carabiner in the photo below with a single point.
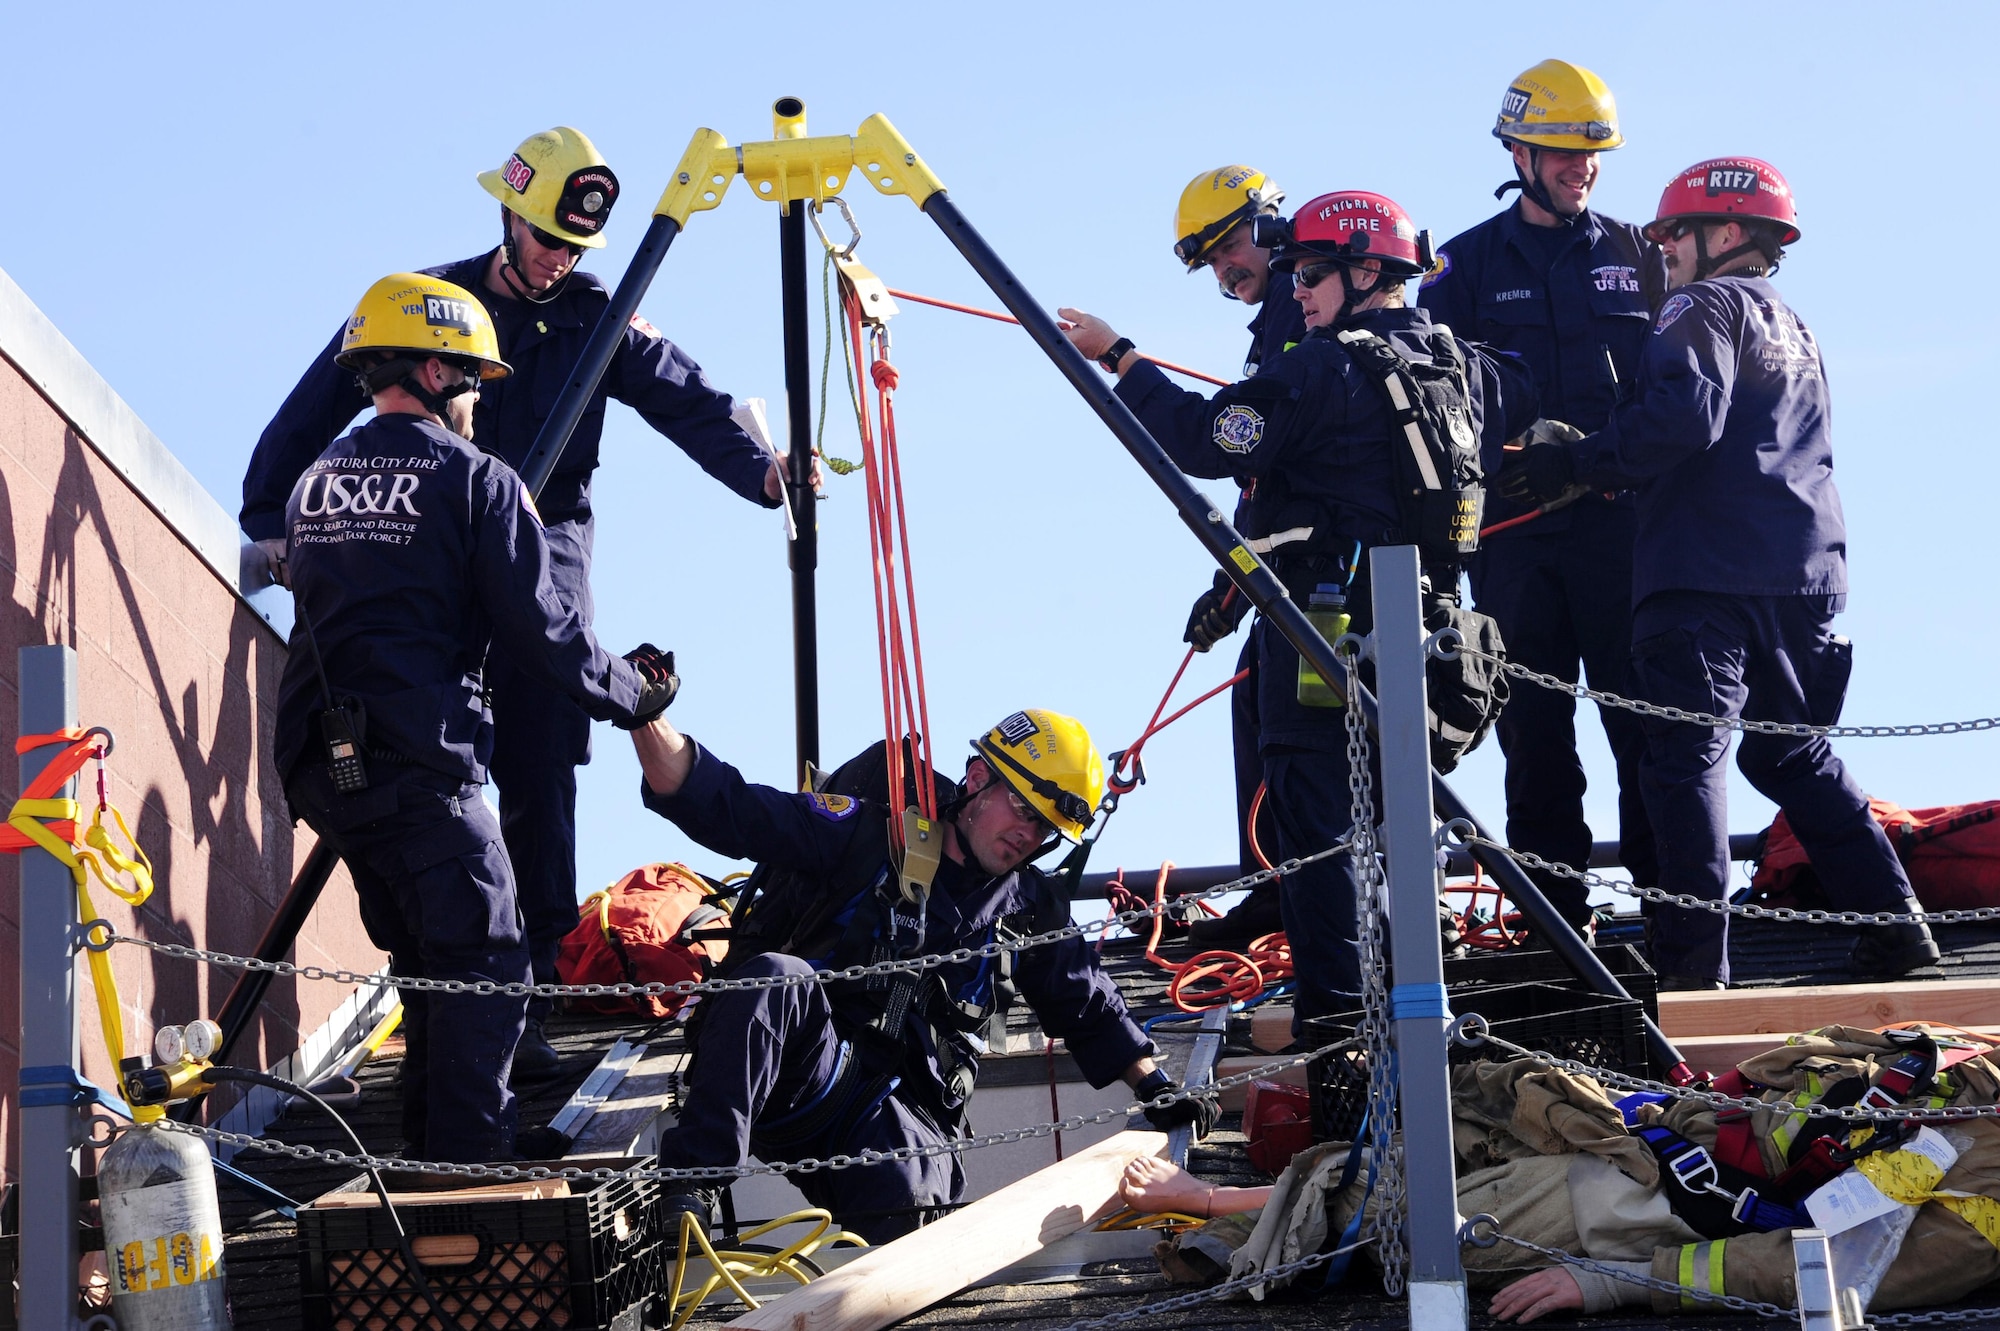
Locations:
(812, 212)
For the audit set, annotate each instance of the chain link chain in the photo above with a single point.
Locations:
(1799, 731)
(1626, 1081)
(102, 935)
(1731, 1301)
(1386, 1229)
(810, 1165)
(1528, 859)
(1213, 1292)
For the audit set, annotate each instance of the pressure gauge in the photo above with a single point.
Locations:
(204, 1037)
(169, 1045)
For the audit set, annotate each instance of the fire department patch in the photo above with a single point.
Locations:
(1439, 270)
(834, 808)
(640, 323)
(1238, 429)
(1677, 304)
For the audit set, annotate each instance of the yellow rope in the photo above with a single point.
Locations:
(732, 1266)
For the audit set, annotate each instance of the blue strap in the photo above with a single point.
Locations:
(60, 1084)
(1336, 1270)
(1419, 1000)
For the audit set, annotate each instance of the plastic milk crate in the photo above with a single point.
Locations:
(1593, 1028)
(590, 1261)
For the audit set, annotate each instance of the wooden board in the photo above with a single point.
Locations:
(622, 1122)
(1808, 1007)
(899, 1279)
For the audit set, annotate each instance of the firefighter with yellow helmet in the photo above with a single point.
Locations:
(1212, 229)
(1568, 292)
(556, 196)
(789, 1070)
(413, 551)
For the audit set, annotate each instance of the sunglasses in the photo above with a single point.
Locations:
(1310, 275)
(549, 242)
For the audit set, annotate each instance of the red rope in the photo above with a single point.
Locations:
(905, 708)
(998, 317)
(1124, 777)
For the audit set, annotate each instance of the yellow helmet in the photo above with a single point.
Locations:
(557, 182)
(1215, 201)
(1048, 760)
(1559, 105)
(423, 316)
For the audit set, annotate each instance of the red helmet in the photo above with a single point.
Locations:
(1351, 224)
(1725, 187)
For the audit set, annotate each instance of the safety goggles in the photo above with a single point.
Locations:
(1027, 813)
(1190, 248)
(1310, 275)
(1066, 804)
(551, 242)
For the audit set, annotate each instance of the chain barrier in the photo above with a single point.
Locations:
(1213, 1292)
(1483, 1231)
(100, 935)
(1458, 835)
(1386, 1229)
(1799, 731)
(710, 1173)
(1942, 1317)
(1471, 1031)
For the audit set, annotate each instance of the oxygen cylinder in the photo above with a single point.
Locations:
(162, 1229)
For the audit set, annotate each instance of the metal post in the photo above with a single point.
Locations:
(1813, 1278)
(1212, 528)
(50, 1125)
(1417, 1009)
(798, 483)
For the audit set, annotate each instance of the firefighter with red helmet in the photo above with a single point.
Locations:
(1570, 292)
(1739, 567)
(1313, 437)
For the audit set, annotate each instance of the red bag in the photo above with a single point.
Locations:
(1952, 854)
(639, 930)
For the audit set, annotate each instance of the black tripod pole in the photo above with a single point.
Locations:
(541, 461)
(1213, 529)
(239, 1009)
(798, 486)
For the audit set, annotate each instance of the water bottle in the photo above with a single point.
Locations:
(1327, 609)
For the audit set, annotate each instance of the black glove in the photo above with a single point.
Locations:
(1199, 1113)
(1538, 474)
(1211, 620)
(658, 684)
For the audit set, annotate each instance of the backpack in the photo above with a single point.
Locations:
(1440, 485)
(1952, 854)
(642, 930)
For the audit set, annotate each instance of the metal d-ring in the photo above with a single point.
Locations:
(813, 211)
(1469, 1031)
(1481, 1231)
(1351, 646)
(1444, 644)
(89, 944)
(110, 740)
(1456, 834)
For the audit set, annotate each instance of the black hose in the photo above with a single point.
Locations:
(410, 1261)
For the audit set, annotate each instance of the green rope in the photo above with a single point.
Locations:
(838, 466)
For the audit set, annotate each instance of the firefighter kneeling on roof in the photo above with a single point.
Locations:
(806, 1070)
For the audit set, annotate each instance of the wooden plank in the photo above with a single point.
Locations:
(897, 1280)
(623, 1123)
(1808, 1007)
(491, 1192)
(1718, 1053)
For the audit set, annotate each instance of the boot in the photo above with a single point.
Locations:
(692, 1200)
(545, 1143)
(1886, 951)
(535, 1059)
(1250, 918)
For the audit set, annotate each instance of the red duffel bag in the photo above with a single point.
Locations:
(641, 930)
(1952, 854)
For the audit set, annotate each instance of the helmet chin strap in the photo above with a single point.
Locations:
(1705, 264)
(510, 268)
(402, 373)
(1352, 296)
(1530, 185)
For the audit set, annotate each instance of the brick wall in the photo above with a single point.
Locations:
(185, 674)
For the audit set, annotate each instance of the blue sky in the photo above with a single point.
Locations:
(200, 196)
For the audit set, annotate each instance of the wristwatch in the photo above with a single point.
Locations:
(1115, 353)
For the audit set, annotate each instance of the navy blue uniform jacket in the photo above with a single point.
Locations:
(1729, 444)
(410, 551)
(1578, 324)
(1069, 992)
(1280, 323)
(542, 343)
